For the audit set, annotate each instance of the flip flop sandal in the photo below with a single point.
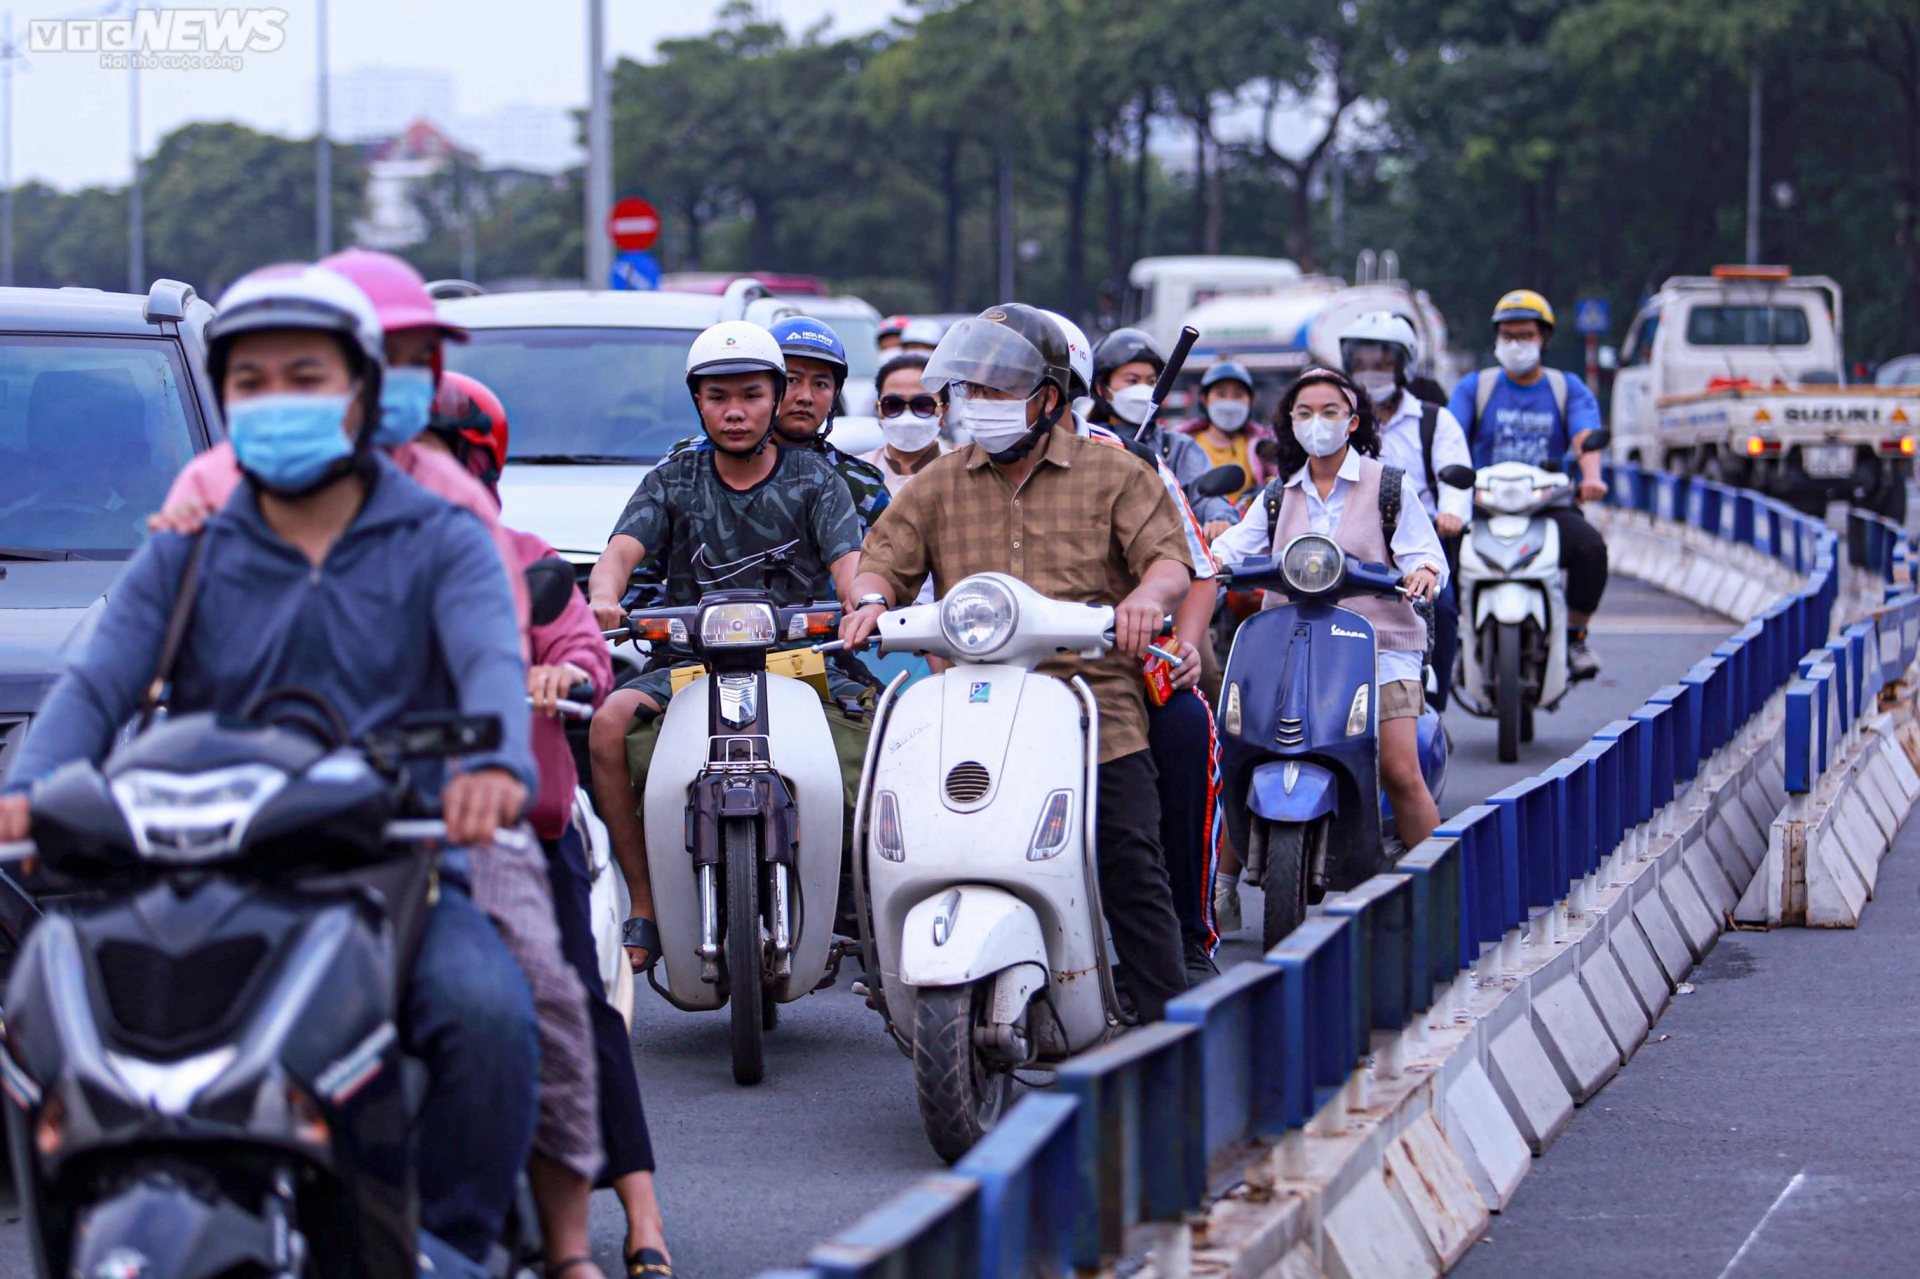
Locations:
(649, 1262)
(641, 934)
(554, 1272)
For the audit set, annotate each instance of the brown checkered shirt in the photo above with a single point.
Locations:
(1085, 526)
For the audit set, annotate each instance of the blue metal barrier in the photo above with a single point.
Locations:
(1609, 819)
(1439, 913)
(1685, 731)
(1241, 1016)
(1669, 496)
(1636, 767)
(1708, 679)
(1025, 1168)
(929, 1231)
(1141, 1153)
(1382, 913)
(1531, 803)
(1660, 721)
(1316, 961)
(1489, 877)
(1572, 780)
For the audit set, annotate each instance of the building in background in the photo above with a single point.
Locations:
(396, 169)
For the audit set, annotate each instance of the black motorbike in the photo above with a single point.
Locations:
(202, 1061)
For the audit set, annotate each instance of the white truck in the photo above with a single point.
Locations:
(1740, 377)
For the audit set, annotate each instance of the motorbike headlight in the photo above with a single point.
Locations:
(737, 626)
(1050, 836)
(1312, 564)
(979, 616)
(886, 829)
(186, 817)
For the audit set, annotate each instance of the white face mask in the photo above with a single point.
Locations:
(910, 432)
(1228, 415)
(1381, 387)
(1321, 437)
(996, 425)
(1516, 357)
(1131, 403)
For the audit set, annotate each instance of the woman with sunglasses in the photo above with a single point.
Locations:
(1330, 484)
(911, 418)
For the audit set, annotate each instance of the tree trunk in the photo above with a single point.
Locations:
(691, 217)
(1199, 185)
(1300, 234)
(1910, 188)
(1139, 246)
(1116, 213)
(761, 233)
(1216, 205)
(1081, 178)
(948, 288)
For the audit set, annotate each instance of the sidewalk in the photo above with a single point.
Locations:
(1770, 1127)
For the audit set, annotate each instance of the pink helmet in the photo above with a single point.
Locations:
(399, 294)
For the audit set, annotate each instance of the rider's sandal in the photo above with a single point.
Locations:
(648, 1261)
(641, 934)
(556, 1271)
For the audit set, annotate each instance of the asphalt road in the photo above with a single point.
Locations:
(750, 1178)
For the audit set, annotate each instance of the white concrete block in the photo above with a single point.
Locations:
(1576, 1040)
(1528, 1085)
(1663, 937)
(1761, 902)
(1437, 1187)
(1732, 858)
(1368, 1235)
(1485, 1137)
(1715, 885)
(1836, 890)
(1301, 1263)
(1696, 921)
(1642, 970)
(1613, 998)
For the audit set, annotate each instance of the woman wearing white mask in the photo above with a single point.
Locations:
(1328, 446)
(911, 419)
(1225, 429)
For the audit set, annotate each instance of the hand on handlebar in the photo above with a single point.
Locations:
(858, 626)
(14, 818)
(1593, 490)
(1137, 622)
(547, 686)
(1420, 584)
(477, 805)
(608, 615)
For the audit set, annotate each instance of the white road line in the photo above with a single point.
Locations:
(1798, 1179)
(1657, 626)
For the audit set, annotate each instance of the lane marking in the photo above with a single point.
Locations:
(1658, 626)
(1798, 1179)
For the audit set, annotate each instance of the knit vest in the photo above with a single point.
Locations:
(1395, 624)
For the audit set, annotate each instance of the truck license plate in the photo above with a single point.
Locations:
(1828, 461)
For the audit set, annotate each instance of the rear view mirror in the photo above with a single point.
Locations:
(550, 585)
(1607, 357)
(1457, 476)
(436, 735)
(1221, 481)
(1596, 440)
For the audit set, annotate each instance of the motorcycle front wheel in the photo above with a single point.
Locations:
(961, 1096)
(746, 991)
(1506, 693)
(1290, 850)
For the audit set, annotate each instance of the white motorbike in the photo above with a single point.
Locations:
(1512, 594)
(982, 935)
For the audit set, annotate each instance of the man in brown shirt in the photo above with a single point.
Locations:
(1075, 520)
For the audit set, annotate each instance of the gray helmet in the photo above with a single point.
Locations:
(1013, 348)
(1125, 346)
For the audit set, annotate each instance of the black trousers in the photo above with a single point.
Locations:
(1180, 737)
(623, 1123)
(1583, 554)
(1446, 645)
(1133, 884)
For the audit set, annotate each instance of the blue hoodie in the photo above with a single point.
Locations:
(409, 612)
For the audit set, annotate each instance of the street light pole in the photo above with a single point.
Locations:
(599, 185)
(322, 152)
(136, 212)
(1753, 166)
(8, 56)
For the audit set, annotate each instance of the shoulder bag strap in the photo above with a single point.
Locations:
(176, 634)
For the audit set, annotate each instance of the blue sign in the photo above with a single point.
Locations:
(979, 692)
(636, 270)
(1591, 317)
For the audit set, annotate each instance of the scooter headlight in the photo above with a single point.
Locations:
(979, 616)
(1312, 564)
(1050, 836)
(737, 626)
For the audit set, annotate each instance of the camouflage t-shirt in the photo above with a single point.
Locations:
(863, 479)
(779, 536)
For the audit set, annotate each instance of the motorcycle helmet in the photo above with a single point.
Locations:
(812, 339)
(1079, 354)
(1126, 346)
(469, 417)
(298, 295)
(1386, 329)
(1226, 371)
(1524, 304)
(397, 291)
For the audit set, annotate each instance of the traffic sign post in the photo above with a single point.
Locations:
(1592, 319)
(633, 225)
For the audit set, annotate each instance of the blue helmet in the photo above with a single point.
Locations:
(812, 339)
(1227, 371)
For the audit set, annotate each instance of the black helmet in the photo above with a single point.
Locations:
(1012, 347)
(1125, 346)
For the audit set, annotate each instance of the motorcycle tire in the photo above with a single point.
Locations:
(961, 1097)
(1506, 692)
(1290, 847)
(1526, 722)
(747, 991)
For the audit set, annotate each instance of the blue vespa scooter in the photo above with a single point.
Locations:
(1300, 756)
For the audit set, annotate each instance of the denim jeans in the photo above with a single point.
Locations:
(470, 1019)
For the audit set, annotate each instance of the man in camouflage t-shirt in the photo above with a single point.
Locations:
(740, 514)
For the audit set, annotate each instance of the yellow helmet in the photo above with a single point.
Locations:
(1523, 304)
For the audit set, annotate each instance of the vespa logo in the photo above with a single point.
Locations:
(979, 691)
(1343, 634)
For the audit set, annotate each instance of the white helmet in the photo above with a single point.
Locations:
(298, 295)
(1386, 327)
(1079, 353)
(735, 346)
(922, 332)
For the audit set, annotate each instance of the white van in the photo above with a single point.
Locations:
(1163, 290)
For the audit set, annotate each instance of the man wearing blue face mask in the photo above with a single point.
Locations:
(332, 572)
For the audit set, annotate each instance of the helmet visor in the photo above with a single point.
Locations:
(980, 352)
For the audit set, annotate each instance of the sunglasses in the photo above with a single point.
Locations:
(895, 405)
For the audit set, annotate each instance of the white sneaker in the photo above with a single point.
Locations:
(1226, 902)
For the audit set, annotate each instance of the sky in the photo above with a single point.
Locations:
(72, 120)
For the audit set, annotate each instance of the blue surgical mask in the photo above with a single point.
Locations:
(287, 442)
(406, 398)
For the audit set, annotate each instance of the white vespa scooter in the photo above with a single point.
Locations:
(1513, 604)
(981, 928)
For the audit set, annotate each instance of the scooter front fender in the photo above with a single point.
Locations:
(1292, 791)
(969, 931)
(1511, 603)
